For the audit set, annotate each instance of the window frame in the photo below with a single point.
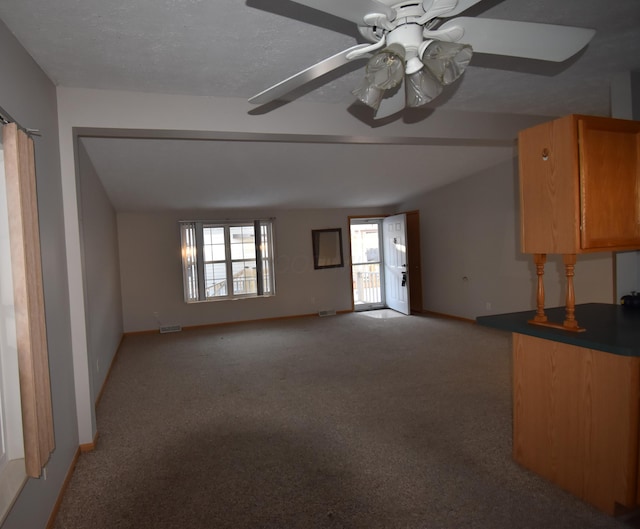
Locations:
(194, 263)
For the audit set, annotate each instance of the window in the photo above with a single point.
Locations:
(227, 260)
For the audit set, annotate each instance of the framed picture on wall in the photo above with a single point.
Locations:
(327, 248)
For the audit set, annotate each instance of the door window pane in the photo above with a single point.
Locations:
(365, 243)
(366, 283)
(366, 270)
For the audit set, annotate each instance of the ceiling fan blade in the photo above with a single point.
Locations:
(306, 75)
(529, 40)
(392, 104)
(461, 6)
(353, 10)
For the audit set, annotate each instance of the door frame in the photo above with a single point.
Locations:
(414, 261)
(414, 258)
(378, 220)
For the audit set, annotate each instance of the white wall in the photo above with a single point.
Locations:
(101, 272)
(30, 98)
(471, 259)
(152, 275)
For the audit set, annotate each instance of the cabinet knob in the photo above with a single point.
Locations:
(545, 154)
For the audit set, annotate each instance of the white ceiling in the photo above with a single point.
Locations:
(232, 48)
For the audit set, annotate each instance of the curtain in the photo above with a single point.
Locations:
(24, 238)
(189, 261)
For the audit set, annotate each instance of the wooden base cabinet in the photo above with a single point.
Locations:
(576, 418)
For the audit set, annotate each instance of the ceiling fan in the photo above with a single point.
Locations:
(416, 48)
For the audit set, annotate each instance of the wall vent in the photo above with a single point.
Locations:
(170, 328)
(327, 313)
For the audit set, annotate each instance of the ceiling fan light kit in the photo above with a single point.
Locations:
(447, 60)
(422, 87)
(369, 94)
(386, 68)
(426, 74)
(418, 51)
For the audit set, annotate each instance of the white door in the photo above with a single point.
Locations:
(396, 272)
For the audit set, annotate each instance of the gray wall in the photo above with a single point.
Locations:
(471, 258)
(151, 270)
(465, 233)
(101, 272)
(86, 110)
(30, 97)
(625, 104)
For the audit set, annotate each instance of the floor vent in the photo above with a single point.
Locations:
(327, 313)
(170, 328)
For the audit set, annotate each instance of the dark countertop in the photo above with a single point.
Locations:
(610, 328)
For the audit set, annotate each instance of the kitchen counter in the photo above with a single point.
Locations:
(576, 401)
(610, 328)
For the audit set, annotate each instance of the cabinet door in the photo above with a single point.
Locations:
(609, 183)
(549, 187)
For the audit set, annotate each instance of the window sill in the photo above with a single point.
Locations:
(12, 479)
(229, 298)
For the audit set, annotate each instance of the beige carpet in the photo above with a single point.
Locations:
(349, 421)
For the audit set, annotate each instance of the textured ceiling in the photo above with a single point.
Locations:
(233, 48)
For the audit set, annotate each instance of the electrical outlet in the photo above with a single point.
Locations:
(487, 305)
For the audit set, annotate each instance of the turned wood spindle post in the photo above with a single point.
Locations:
(540, 259)
(570, 308)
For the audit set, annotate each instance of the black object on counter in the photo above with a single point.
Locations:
(631, 301)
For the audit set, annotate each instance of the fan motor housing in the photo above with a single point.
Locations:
(408, 14)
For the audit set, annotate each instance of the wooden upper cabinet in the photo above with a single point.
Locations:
(580, 185)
